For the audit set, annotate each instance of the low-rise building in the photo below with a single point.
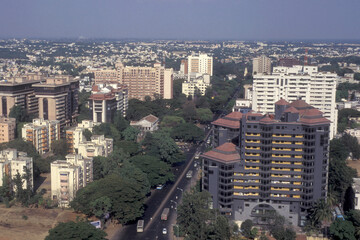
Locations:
(356, 189)
(242, 105)
(13, 162)
(41, 133)
(7, 129)
(68, 176)
(196, 84)
(149, 123)
(354, 132)
(75, 136)
(98, 146)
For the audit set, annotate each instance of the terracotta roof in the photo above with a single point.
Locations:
(151, 118)
(282, 102)
(102, 96)
(312, 112)
(299, 104)
(314, 120)
(266, 119)
(225, 153)
(235, 124)
(234, 115)
(291, 110)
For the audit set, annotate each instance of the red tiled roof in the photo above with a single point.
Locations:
(299, 104)
(151, 118)
(266, 119)
(291, 110)
(312, 112)
(314, 120)
(224, 153)
(227, 123)
(282, 102)
(234, 115)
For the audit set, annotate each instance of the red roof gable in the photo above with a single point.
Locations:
(291, 110)
(282, 102)
(225, 153)
(235, 124)
(299, 104)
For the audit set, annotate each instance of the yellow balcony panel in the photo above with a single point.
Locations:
(298, 156)
(238, 187)
(297, 176)
(236, 194)
(299, 136)
(252, 187)
(298, 163)
(280, 155)
(297, 183)
(297, 170)
(296, 196)
(298, 143)
(252, 154)
(298, 150)
(252, 134)
(238, 174)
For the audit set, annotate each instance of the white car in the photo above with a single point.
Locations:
(164, 231)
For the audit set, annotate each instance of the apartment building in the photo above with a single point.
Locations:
(297, 82)
(41, 133)
(18, 91)
(140, 81)
(58, 99)
(13, 162)
(197, 85)
(97, 146)
(74, 135)
(68, 176)
(7, 129)
(278, 163)
(200, 63)
(261, 65)
(106, 99)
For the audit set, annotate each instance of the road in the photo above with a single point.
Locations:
(168, 197)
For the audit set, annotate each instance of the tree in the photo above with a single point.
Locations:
(19, 114)
(187, 132)
(157, 171)
(130, 134)
(103, 166)
(108, 130)
(342, 230)
(129, 147)
(354, 217)
(59, 147)
(120, 122)
(171, 121)
(87, 134)
(248, 230)
(321, 212)
(75, 230)
(280, 230)
(204, 115)
(101, 206)
(189, 111)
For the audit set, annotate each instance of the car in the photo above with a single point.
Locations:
(159, 187)
(195, 165)
(164, 231)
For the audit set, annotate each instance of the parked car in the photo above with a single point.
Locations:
(164, 231)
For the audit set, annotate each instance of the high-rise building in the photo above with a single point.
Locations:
(13, 162)
(41, 133)
(75, 136)
(68, 176)
(106, 100)
(18, 91)
(261, 65)
(58, 99)
(7, 129)
(197, 85)
(200, 63)
(156, 81)
(278, 163)
(298, 82)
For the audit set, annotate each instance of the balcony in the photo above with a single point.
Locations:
(282, 135)
(252, 148)
(252, 141)
(252, 154)
(278, 162)
(281, 169)
(280, 142)
(238, 187)
(252, 134)
(299, 136)
(251, 168)
(298, 143)
(281, 149)
(280, 156)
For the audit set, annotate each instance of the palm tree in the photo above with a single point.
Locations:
(332, 197)
(321, 212)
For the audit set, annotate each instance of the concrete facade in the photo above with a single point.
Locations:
(7, 129)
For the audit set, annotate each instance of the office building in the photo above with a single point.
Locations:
(197, 85)
(298, 82)
(18, 91)
(200, 63)
(41, 133)
(261, 65)
(97, 146)
(106, 100)
(276, 163)
(7, 129)
(13, 162)
(58, 99)
(68, 176)
(156, 81)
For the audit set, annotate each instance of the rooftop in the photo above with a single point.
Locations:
(225, 153)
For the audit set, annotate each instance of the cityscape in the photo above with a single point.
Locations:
(135, 132)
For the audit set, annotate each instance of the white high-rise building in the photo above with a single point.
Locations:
(200, 63)
(261, 65)
(291, 83)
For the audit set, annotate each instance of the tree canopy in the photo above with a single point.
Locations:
(188, 132)
(342, 230)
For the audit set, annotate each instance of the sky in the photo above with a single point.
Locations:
(182, 19)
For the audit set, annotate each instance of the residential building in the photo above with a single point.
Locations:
(261, 65)
(150, 123)
(276, 163)
(106, 100)
(7, 129)
(68, 176)
(197, 85)
(354, 132)
(226, 128)
(242, 105)
(356, 189)
(58, 99)
(156, 81)
(41, 133)
(13, 162)
(200, 63)
(298, 82)
(97, 146)
(18, 91)
(288, 62)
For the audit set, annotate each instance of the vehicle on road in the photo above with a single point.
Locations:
(189, 174)
(197, 155)
(159, 187)
(164, 231)
(165, 214)
(140, 226)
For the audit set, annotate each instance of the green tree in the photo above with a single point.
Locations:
(59, 147)
(130, 134)
(75, 230)
(108, 130)
(280, 230)
(6, 192)
(87, 134)
(248, 230)
(171, 121)
(342, 230)
(321, 212)
(120, 122)
(101, 206)
(157, 171)
(354, 217)
(19, 114)
(187, 132)
(103, 166)
(204, 115)
(129, 147)
(189, 111)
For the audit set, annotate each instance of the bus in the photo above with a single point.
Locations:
(140, 226)
(189, 174)
(165, 214)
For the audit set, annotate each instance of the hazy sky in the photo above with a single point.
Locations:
(181, 19)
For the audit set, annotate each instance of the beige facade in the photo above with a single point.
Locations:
(150, 123)
(74, 136)
(140, 81)
(58, 99)
(200, 63)
(197, 85)
(68, 176)
(41, 133)
(13, 162)
(261, 65)
(7, 129)
(98, 146)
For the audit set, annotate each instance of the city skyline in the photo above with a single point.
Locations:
(175, 19)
